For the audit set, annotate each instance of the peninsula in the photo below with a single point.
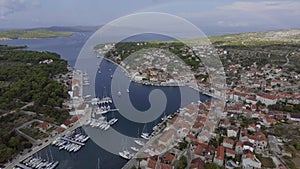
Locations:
(32, 34)
(33, 90)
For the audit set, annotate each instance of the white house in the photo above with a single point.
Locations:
(232, 132)
(249, 161)
(267, 99)
(251, 100)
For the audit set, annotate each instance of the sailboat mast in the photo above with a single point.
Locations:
(51, 154)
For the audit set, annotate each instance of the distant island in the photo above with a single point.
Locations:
(32, 34)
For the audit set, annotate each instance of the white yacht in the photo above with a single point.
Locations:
(145, 136)
(106, 127)
(139, 142)
(124, 155)
(134, 149)
(112, 121)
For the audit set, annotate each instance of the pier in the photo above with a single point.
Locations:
(72, 141)
(113, 110)
(22, 166)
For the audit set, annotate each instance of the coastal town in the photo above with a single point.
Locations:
(157, 84)
(254, 130)
(252, 120)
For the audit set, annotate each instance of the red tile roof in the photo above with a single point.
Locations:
(198, 125)
(151, 163)
(207, 104)
(197, 164)
(60, 129)
(43, 125)
(260, 136)
(220, 153)
(230, 151)
(270, 120)
(200, 148)
(252, 137)
(169, 157)
(226, 122)
(228, 140)
(239, 144)
(202, 107)
(268, 96)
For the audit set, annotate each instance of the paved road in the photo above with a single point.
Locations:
(287, 59)
(13, 111)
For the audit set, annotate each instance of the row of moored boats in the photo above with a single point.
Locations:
(71, 143)
(39, 163)
(101, 123)
(147, 136)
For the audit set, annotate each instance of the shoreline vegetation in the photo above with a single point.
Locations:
(33, 85)
(32, 34)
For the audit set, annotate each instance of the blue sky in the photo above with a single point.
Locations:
(216, 15)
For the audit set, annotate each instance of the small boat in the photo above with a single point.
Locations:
(54, 165)
(85, 139)
(61, 147)
(147, 137)
(124, 155)
(139, 142)
(102, 126)
(112, 121)
(127, 90)
(134, 149)
(106, 127)
(101, 111)
(119, 93)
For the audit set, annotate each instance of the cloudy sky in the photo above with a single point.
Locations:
(217, 16)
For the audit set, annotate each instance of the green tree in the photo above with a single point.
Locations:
(14, 142)
(182, 163)
(212, 166)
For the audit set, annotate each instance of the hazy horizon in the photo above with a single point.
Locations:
(213, 18)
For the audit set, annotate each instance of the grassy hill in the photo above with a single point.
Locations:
(29, 34)
(279, 47)
(278, 37)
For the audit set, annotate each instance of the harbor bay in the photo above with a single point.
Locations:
(91, 153)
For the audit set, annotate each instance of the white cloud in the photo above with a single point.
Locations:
(263, 6)
(246, 13)
(8, 7)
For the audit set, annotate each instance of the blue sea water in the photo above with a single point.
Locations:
(87, 157)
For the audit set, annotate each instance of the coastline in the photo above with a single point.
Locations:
(144, 82)
(9, 39)
(166, 85)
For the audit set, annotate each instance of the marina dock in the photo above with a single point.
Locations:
(22, 166)
(72, 141)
